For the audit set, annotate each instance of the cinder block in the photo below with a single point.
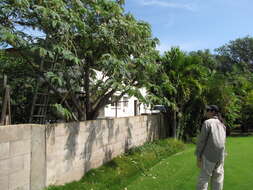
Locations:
(121, 122)
(55, 157)
(50, 149)
(4, 167)
(62, 142)
(82, 137)
(17, 164)
(117, 149)
(140, 131)
(104, 123)
(143, 125)
(73, 175)
(92, 124)
(51, 177)
(98, 155)
(66, 129)
(96, 163)
(119, 139)
(24, 131)
(4, 182)
(145, 118)
(50, 134)
(24, 187)
(4, 150)
(100, 141)
(60, 130)
(19, 179)
(117, 153)
(15, 132)
(20, 147)
(83, 127)
(92, 145)
(27, 161)
(78, 161)
(118, 146)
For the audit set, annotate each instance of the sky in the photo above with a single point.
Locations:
(194, 24)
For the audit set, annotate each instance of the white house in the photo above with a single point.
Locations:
(126, 106)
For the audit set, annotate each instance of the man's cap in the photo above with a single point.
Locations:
(213, 108)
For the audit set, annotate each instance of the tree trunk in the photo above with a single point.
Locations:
(87, 93)
(174, 124)
(179, 129)
(92, 115)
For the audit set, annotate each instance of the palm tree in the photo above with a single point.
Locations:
(177, 84)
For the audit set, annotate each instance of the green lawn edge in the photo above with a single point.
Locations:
(179, 172)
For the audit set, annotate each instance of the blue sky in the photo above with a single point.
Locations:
(194, 24)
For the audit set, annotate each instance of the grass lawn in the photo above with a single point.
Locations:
(179, 172)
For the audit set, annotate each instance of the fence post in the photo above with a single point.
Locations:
(6, 110)
(38, 157)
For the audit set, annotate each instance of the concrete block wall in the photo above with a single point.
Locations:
(15, 155)
(35, 156)
(74, 148)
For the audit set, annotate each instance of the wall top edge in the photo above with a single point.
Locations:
(73, 123)
(20, 125)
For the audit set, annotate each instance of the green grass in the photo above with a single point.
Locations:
(179, 172)
(125, 169)
(239, 164)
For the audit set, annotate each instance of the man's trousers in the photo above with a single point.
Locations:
(213, 171)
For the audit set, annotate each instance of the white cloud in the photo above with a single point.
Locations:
(161, 3)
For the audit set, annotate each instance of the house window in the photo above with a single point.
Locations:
(113, 99)
(125, 101)
(118, 105)
(115, 104)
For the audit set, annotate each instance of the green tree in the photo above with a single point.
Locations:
(247, 112)
(236, 52)
(229, 81)
(84, 46)
(236, 62)
(221, 92)
(206, 59)
(21, 82)
(177, 85)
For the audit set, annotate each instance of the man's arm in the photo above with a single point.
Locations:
(202, 140)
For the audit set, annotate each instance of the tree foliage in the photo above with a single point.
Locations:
(82, 46)
(21, 82)
(177, 85)
(238, 51)
(188, 82)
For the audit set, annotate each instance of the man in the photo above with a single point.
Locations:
(210, 150)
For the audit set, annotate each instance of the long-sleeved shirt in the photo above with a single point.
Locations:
(211, 141)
